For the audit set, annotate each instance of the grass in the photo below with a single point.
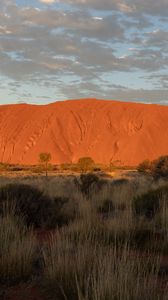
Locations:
(99, 250)
(17, 250)
(92, 271)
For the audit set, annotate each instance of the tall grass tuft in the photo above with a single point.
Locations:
(17, 250)
(85, 271)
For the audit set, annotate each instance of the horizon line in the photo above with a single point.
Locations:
(85, 99)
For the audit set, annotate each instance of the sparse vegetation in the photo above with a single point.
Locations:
(38, 209)
(87, 183)
(157, 168)
(160, 167)
(29, 202)
(107, 241)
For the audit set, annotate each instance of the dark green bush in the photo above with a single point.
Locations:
(157, 168)
(149, 203)
(29, 202)
(145, 167)
(64, 212)
(37, 209)
(160, 167)
(89, 182)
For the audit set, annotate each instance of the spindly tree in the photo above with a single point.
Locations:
(45, 158)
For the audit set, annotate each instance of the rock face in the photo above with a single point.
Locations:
(126, 133)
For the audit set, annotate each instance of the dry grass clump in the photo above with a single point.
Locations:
(95, 272)
(17, 250)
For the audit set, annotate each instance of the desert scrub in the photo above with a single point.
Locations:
(94, 272)
(89, 183)
(29, 201)
(38, 209)
(160, 167)
(149, 204)
(64, 212)
(145, 166)
(17, 250)
(157, 168)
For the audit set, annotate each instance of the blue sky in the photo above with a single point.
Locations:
(52, 50)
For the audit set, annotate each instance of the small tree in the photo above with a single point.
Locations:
(45, 157)
(85, 163)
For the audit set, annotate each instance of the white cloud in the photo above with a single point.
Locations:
(98, 18)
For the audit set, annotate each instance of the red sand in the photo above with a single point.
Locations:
(104, 130)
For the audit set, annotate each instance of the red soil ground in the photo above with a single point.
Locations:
(104, 130)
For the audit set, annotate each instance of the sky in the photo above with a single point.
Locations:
(52, 50)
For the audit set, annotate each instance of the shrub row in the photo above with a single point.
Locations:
(157, 168)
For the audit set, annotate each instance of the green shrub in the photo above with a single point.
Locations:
(87, 183)
(37, 209)
(149, 204)
(157, 168)
(30, 202)
(160, 167)
(86, 164)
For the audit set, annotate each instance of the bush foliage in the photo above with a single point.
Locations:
(29, 202)
(157, 168)
(98, 254)
(85, 164)
(145, 166)
(149, 204)
(37, 209)
(87, 183)
(160, 167)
